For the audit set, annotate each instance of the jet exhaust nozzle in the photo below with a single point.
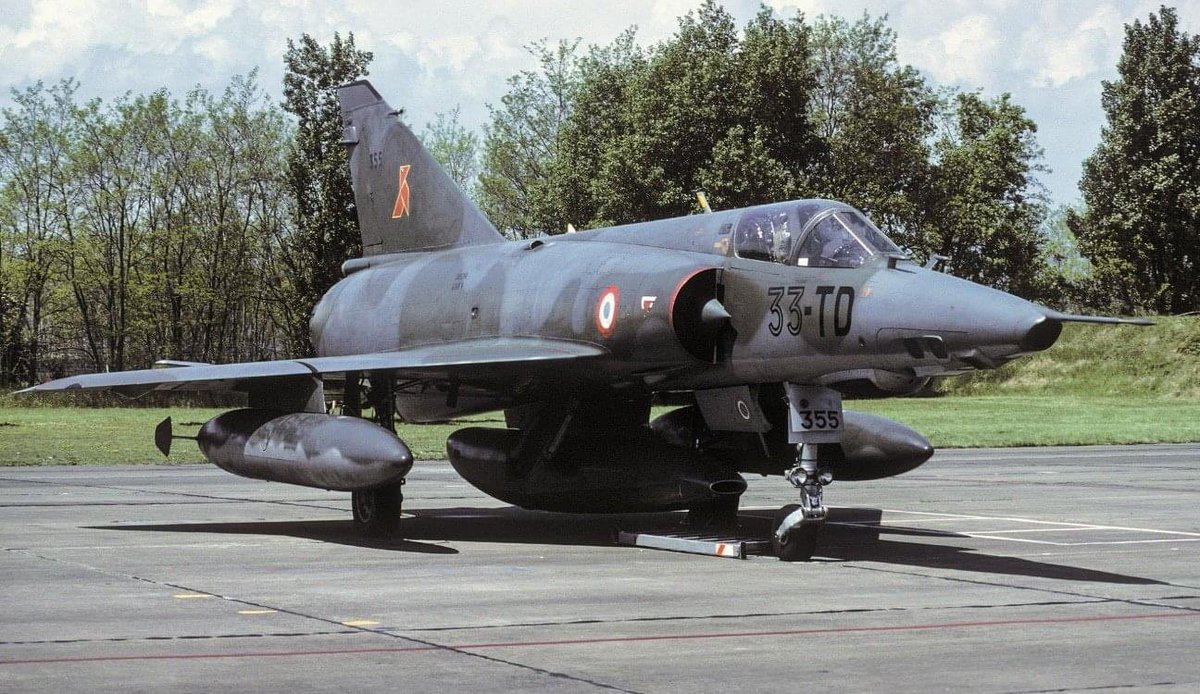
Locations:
(729, 487)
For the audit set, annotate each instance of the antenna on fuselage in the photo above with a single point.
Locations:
(703, 200)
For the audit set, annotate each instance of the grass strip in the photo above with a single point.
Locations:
(110, 436)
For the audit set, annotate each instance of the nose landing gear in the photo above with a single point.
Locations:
(814, 423)
(797, 526)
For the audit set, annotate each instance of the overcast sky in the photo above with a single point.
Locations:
(433, 55)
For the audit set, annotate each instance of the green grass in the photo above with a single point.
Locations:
(101, 436)
(1099, 384)
(1113, 361)
(109, 436)
(116, 436)
(1042, 420)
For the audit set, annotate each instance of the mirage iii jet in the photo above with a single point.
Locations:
(757, 318)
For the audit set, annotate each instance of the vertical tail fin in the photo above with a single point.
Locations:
(405, 201)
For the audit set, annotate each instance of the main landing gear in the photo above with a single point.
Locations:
(377, 511)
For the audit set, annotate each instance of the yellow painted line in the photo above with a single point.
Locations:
(360, 623)
(256, 611)
(191, 596)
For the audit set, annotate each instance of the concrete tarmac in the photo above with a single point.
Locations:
(1019, 570)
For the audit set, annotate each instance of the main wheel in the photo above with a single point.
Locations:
(377, 511)
(800, 542)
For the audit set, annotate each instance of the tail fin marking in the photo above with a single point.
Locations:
(405, 201)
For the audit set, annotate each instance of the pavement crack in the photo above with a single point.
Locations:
(431, 645)
(744, 615)
(1096, 688)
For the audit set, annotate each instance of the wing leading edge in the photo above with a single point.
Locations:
(460, 358)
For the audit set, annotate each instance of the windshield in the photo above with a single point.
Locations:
(765, 234)
(842, 238)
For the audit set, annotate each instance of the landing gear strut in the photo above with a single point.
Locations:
(798, 525)
(815, 424)
(377, 511)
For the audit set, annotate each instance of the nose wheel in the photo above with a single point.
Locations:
(794, 540)
(797, 526)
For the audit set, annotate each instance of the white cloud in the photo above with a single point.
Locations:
(964, 52)
(1057, 49)
(204, 16)
(216, 49)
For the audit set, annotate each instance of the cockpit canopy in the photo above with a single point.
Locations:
(811, 233)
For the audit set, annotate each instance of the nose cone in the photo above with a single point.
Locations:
(967, 316)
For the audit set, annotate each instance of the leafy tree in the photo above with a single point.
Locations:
(1141, 186)
(782, 109)
(326, 224)
(108, 245)
(1067, 275)
(778, 154)
(985, 211)
(454, 147)
(216, 214)
(138, 229)
(35, 205)
(877, 118)
(596, 118)
(679, 107)
(649, 127)
(777, 82)
(519, 146)
(743, 171)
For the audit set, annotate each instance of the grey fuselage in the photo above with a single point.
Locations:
(887, 322)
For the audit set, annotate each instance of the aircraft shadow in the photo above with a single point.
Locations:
(857, 534)
(852, 535)
(333, 532)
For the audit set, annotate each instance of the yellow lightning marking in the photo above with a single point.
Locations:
(191, 596)
(256, 611)
(360, 623)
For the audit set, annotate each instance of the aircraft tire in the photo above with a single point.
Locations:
(377, 511)
(799, 543)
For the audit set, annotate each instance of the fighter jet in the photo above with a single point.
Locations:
(758, 319)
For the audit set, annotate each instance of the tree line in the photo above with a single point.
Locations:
(783, 108)
(148, 227)
(138, 229)
(205, 228)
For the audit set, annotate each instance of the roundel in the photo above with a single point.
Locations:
(606, 311)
